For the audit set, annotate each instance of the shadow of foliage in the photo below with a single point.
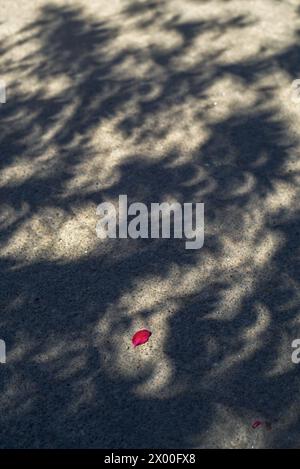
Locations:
(62, 387)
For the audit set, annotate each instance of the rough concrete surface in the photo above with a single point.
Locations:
(182, 100)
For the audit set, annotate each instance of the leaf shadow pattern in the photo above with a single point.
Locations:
(223, 318)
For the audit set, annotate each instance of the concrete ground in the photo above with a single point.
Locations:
(161, 100)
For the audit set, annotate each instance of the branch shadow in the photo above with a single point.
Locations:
(71, 380)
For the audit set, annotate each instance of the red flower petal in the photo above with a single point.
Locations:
(141, 337)
(256, 424)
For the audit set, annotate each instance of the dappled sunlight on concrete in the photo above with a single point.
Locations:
(163, 101)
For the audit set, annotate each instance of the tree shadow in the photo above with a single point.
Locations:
(228, 312)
